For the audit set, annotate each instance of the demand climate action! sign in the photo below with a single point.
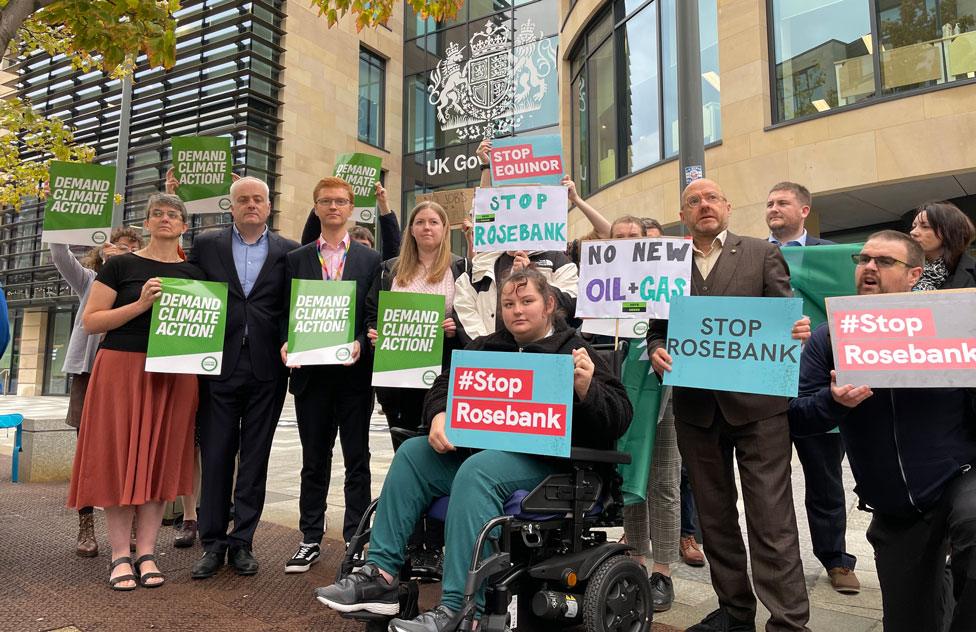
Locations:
(735, 343)
(909, 340)
(632, 278)
(78, 210)
(410, 342)
(186, 334)
(527, 160)
(320, 322)
(202, 165)
(362, 171)
(517, 402)
(520, 218)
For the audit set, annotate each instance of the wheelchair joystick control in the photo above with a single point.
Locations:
(555, 606)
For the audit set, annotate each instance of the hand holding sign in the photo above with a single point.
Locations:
(151, 291)
(437, 437)
(801, 329)
(848, 395)
(582, 372)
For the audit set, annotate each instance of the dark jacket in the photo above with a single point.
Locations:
(384, 282)
(362, 266)
(598, 421)
(964, 275)
(746, 267)
(262, 310)
(389, 231)
(904, 445)
(816, 241)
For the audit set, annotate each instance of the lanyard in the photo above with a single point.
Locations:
(325, 268)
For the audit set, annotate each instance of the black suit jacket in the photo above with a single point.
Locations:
(262, 310)
(746, 267)
(362, 266)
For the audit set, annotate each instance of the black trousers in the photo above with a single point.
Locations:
(238, 416)
(821, 457)
(325, 409)
(403, 408)
(910, 557)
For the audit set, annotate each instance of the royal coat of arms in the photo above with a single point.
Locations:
(503, 79)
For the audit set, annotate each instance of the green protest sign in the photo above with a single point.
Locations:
(202, 165)
(410, 339)
(362, 171)
(79, 208)
(320, 322)
(186, 334)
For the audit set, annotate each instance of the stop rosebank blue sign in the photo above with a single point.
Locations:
(517, 402)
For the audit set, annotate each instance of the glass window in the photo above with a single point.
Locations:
(418, 114)
(603, 114)
(640, 115)
(372, 96)
(926, 42)
(58, 334)
(621, 129)
(581, 136)
(822, 55)
(711, 87)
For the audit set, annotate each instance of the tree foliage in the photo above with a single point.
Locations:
(376, 12)
(105, 34)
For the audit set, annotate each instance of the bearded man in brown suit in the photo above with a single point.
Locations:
(712, 426)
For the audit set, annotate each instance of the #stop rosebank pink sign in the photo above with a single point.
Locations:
(907, 340)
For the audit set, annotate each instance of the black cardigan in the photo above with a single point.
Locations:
(598, 420)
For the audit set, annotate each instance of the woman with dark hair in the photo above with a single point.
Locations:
(82, 347)
(135, 446)
(944, 233)
(425, 468)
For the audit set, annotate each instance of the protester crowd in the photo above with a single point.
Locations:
(911, 450)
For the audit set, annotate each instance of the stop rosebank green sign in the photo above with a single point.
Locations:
(186, 333)
(78, 210)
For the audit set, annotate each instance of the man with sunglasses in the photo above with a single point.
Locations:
(911, 451)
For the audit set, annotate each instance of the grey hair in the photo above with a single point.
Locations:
(245, 179)
(167, 199)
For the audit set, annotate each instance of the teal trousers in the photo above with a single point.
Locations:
(478, 486)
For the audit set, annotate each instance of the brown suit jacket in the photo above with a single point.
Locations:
(746, 267)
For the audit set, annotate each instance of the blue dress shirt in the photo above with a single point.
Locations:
(249, 258)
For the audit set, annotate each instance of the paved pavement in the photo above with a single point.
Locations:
(830, 612)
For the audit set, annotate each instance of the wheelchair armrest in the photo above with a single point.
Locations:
(599, 456)
(402, 434)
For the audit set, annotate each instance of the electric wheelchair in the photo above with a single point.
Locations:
(551, 566)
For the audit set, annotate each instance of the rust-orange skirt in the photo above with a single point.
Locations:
(136, 438)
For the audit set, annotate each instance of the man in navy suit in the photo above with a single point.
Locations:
(239, 409)
(333, 399)
(787, 208)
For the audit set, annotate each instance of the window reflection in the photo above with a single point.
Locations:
(823, 55)
(926, 42)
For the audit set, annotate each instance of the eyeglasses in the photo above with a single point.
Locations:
(339, 202)
(862, 259)
(157, 213)
(694, 201)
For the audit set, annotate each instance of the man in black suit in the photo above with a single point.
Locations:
(331, 399)
(239, 409)
(821, 455)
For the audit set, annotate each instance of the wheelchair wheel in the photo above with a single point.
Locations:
(618, 597)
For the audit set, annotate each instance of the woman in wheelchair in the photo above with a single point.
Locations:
(425, 468)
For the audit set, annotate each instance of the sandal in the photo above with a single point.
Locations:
(149, 557)
(115, 581)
